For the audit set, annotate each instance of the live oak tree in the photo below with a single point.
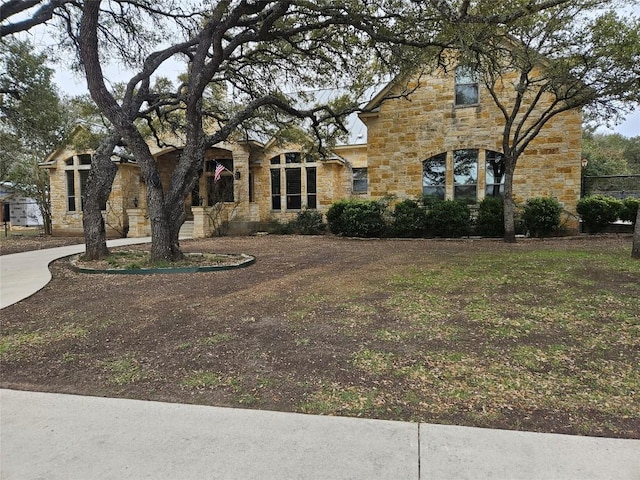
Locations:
(267, 54)
(33, 121)
(579, 55)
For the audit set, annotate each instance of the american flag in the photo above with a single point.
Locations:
(219, 169)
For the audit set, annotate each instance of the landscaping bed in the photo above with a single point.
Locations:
(542, 335)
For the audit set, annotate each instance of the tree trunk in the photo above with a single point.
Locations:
(96, 194)
(635, 251)
(509, 203)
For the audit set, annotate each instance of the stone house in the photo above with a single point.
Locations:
(443, 139)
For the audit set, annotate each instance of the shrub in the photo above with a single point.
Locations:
(448, 219)
(356, 218)
(629, 210)
(597, 211)
(363, 219)
(541, 216)
(490, 221)
(409, 219)
(334, 216)
(308, 222)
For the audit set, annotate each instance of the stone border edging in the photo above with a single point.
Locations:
(247, 260)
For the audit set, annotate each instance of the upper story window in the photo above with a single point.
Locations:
(434, 175)
(360, 180)
(466, 86)
(494, 174)
(293, 181)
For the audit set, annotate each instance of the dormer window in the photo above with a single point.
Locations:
(466, 86)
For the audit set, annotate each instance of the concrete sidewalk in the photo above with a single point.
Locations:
(23, 274)
(53, 436)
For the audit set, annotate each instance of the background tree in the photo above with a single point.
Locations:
(267, 53)
(572, 56)
(34, 121)
(605, 154)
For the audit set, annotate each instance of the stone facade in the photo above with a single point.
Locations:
(268, 182)
(404, 132)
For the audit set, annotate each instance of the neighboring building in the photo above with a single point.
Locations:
(16, 209)
(443, 140)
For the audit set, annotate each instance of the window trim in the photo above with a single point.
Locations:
(73, 166)
(475, 184)
(359, 181)
(440, 157)
(469, 73)
(493, 184)
(283, 162)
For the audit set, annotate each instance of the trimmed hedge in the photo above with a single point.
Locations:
(629, 210)
(356, 218)
(490, 221)
(409, 220)
(598, 211)
(449, 219)
(541, 216)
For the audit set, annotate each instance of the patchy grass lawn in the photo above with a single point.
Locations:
(541, 335)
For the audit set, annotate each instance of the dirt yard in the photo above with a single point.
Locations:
(539, 335)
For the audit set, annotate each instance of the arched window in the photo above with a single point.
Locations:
(293, 179)
(494, 174)
(465, 175)
(434, 174)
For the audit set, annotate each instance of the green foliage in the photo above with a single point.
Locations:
(541, 216)
(632, 154)
(33, 121)
(409, 219)
(605, 154)
(334, 216)
(490, 222)
(629, 211)
(309, 222)
(597, 211)
(356, 218)
(363, 219)
(448, 219)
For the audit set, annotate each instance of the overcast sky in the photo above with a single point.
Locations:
(73, 84)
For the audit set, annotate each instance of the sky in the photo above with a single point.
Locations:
(73, 84)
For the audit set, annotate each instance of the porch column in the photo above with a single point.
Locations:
(139, 223)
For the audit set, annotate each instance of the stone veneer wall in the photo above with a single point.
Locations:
(126, 186)
(405, 132)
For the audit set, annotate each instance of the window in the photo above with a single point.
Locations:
(71, 191)
(77, 172)
(466, 86)
(293, 188)
(434, 171)
(276, 201)
(252, 188)
(311, 188)
(360, 180)
(465, 175)
(84, 175)
(222, 190)
(495, 174)
(300, 185)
